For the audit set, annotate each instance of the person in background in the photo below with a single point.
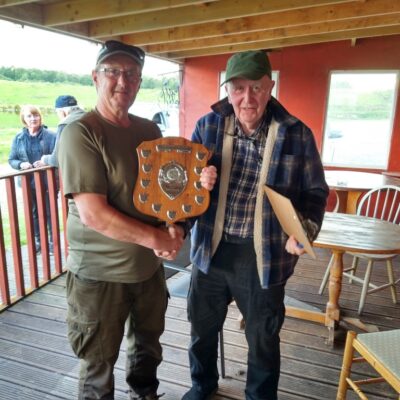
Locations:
(27, 148)
(239, 250)
(67, 110)
(115, 276)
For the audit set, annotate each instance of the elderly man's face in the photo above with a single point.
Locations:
(117, 82)
(249, 99)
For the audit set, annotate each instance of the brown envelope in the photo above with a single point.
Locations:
(288, 218)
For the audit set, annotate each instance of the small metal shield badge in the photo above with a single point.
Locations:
(168, 185)
(172, 179)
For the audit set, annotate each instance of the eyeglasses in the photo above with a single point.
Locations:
(130, 75)
(113, 46)
(238, 89)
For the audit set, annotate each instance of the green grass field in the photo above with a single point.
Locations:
(15, 94)
(43, 95)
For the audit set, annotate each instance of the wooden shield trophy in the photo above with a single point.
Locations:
(168, 185)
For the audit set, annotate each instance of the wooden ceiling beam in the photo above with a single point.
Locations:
(207, 12)
(280, 33)
(8, 3)
(31, 12)
(65, 12)
(32, 16)
(175, 29)
(286, 42)
(281, 19)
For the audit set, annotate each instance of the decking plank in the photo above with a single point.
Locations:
(36, 361)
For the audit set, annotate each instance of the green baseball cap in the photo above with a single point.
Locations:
(249, 65)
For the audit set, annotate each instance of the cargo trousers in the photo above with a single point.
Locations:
(98, 313)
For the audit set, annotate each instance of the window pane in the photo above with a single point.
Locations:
(359, 119)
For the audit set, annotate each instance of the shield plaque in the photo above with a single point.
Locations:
(168, 185)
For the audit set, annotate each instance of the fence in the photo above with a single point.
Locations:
(22, 269)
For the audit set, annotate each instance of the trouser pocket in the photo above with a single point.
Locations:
(83, 319)
(82, 337)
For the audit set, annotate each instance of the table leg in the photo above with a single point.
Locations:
(352, 200)
(341, 196)
(332, 315)
(347, 201)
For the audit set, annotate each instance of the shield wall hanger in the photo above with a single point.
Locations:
(168, 185)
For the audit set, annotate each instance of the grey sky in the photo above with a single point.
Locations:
(27, 47)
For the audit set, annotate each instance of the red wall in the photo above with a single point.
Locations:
(303, 81)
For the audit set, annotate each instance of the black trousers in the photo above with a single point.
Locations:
(233, 275)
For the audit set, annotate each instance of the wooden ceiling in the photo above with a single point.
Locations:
(179, 29)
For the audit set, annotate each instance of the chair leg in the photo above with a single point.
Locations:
(365, 287)
(346, 366)
(326, 276)
(353, 269)
(389, 267)
(222, 352)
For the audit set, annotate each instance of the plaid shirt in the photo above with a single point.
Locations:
(295, 171)
(248, 151)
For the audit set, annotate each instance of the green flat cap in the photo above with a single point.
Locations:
(249, 65)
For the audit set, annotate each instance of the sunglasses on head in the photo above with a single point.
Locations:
(114, 45)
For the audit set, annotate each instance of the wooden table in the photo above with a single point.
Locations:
(341, 233)
(349, 185)
(395, 174)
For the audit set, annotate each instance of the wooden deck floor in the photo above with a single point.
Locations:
(36, 362)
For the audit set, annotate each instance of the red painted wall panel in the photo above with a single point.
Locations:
(303, 81)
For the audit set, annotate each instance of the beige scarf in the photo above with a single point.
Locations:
(226, 164)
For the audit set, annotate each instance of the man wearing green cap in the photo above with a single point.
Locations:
(239, 251)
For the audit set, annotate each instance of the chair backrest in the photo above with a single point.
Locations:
(381, 203)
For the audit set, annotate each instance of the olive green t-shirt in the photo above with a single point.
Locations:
(96, 156)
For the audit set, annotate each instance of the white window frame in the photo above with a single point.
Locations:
(328, 129)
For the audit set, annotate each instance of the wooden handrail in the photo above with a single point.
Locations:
(19, 265)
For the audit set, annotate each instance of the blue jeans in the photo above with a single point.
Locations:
(233, 276)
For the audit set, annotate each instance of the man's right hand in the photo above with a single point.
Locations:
(176, 239)
(208, 177)
(97, 214)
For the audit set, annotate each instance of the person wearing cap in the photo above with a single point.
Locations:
(67, 110)
(239, 250)
(115, 276)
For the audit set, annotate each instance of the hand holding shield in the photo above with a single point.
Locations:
(168, 185)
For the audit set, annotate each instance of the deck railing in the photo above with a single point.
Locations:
(22, 269)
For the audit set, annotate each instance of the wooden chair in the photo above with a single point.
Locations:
(381, 350)
(381, 203)
(179, 287)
